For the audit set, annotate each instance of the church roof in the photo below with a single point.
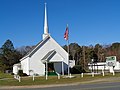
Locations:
(49, 55)
(29, 54)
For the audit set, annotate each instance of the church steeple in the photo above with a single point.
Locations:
(46, 33)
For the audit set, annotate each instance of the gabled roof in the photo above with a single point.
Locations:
(17, 64)
(29, 54)
(49, 55)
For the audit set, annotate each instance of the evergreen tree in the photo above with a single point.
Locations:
(8, 56)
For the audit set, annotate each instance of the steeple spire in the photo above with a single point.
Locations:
(46, 33)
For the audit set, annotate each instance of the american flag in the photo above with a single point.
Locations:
(66, 34)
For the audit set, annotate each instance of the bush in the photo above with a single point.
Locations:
(77, 70)
(12, 73)
(20, 73)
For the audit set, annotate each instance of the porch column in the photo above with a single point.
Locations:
(46, 71)
(62, 68)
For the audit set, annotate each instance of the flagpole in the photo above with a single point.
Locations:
(68, 56)
(66, 36)
(68, 52)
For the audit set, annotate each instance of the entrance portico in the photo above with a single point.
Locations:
(53, 57)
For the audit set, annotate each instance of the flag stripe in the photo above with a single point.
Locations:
(66, 34)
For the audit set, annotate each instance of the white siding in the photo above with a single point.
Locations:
(25, 65)
(15, 69)
(36, 65)
(34, 62)
(60, 50)
(56, 58)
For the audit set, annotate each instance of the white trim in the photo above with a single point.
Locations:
(46, 71)
(62, 68)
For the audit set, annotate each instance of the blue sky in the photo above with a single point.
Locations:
(90, 21)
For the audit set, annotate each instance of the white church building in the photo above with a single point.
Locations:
(47, 55)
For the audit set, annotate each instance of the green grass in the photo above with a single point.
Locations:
(51, 80)
(4, 75)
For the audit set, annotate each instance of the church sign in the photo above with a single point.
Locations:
(111, 61)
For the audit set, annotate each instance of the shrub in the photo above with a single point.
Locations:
(12, 73)
(20, 73)
(77, 70)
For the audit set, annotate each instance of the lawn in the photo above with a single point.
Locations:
(8, 80)
(4, 75)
